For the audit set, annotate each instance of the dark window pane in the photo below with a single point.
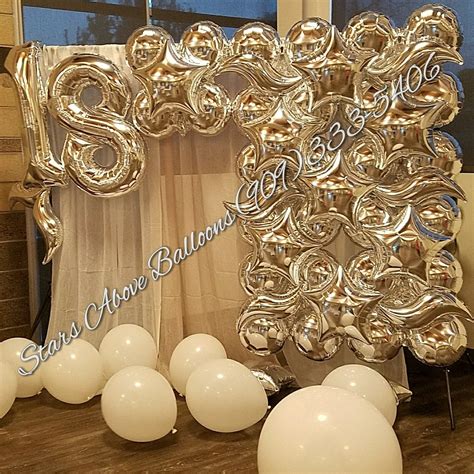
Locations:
(230, 15)
(460, 128)
(82, 22)
(135, 3)
(176, 28)
(229, 32)
(254, 9)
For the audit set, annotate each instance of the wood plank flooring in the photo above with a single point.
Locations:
(44, 435)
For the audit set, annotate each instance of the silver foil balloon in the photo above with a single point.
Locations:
(44, 169)
(273, 377)
(94, 127)
(263, 324)
(316, 336)
(24, 65)
(178, 92)
(441, 344)
(402, 393)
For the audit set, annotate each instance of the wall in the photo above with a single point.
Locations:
(14, 308)
(292, 11)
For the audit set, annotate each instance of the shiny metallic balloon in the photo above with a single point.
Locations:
(421, 311)
(257, 56)
(445, 270)
(263, 324)
(44, 169)
(441, 344)
(262, 335)
(205, 40)
(273, 377)
(373, 339)
(24, 65)
(436, 21)
(369, 33)
(96, 127)
(178, 92)
(48, 223)
(402, 393)
(315, 337)
(259, 277)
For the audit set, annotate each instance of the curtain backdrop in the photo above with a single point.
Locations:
(107, 243)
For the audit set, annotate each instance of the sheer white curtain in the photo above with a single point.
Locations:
(107, 243)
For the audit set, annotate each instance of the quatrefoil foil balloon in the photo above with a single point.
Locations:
(344, 140)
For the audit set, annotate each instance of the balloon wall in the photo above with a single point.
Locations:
(344, 142)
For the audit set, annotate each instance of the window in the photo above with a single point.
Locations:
(462, 126)
(176, 15)
(61, 22)
(82, 22)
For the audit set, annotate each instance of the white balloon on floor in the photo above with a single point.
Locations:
(368, 384)
(189, 354)
(326, 429)
(127, 345)
(8, 387)
(139, 404)
(73, 374)
(223, 395)
(28, 385)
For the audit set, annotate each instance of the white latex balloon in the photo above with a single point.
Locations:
(28, 385)
(8, 387)
(189, 354)
(127, 345)
(74, 374)
(138, 404)
(368, 384)
(327, 429)
(223, 395)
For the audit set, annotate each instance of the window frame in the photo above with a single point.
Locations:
(136, 12)
(84, 6)
(165, 14)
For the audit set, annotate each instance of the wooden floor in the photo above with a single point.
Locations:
(44, 435)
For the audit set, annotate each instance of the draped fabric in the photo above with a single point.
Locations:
(107, 243)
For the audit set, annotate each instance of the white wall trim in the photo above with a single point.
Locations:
(291, 11)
